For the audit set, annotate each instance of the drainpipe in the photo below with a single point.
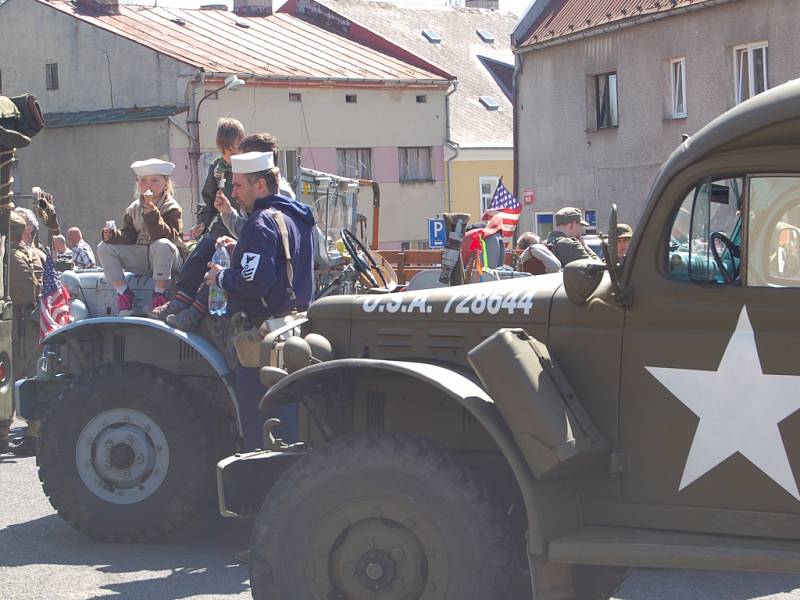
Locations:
(515, 127)
(194, 138)
(452, 144)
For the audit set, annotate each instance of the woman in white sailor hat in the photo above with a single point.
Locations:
(150, 240)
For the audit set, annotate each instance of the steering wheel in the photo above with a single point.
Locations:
(733, 273)
(357, 250)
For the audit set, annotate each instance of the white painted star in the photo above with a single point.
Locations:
(739, 407)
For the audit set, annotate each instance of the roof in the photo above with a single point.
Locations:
(459, 53)
(274, 47)
(111, 115)
(555, 19)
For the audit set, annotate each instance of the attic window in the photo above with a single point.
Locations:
(431, 36)
(295, 97)
(350, 98)
(422, 99)
(178, 21)
(489, 103)
(242, 23)
(485, 36)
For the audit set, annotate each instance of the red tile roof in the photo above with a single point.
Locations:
(565, 17)
(276, 47)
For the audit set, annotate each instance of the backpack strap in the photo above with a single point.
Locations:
(280, 221)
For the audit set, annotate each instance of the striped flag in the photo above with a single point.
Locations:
(54, 303)
(504, 203)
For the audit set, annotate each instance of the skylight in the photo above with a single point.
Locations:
(431, 36)
(489, 103)
(485, 36)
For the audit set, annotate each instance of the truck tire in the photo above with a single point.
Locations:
(123, 454)
(380, 515)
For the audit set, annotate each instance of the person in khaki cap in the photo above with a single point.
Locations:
(565, 239)
(25, 285)
(624, 235)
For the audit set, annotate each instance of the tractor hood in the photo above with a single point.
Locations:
(428, 323)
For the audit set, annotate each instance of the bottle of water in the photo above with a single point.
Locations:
(217, 300)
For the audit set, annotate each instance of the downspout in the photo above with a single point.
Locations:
(194, 138)
(450, 143)
(515, 128)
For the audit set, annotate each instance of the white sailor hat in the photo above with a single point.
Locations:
(252, 162)
(153, 166)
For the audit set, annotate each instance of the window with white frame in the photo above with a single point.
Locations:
(678, 76)
(415, 164)
(607, 105)
(354, 162)
(750, 62)
(488, 186)
(544, 223)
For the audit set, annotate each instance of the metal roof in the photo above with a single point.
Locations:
(560, 18)
(111, 115)
(460, 52)
(274, 47)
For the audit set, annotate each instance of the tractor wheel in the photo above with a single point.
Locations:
(123, 454)
(380, 516)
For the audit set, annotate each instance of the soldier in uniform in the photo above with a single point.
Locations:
(262, 281)
(565, 239)
(25, 285)
(624, 235)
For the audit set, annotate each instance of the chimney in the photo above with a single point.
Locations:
(110, 6)
(252, 8)
(490, 4)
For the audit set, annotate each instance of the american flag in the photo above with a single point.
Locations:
(54, 305)
(503, 202)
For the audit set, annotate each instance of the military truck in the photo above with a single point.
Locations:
(533, 438)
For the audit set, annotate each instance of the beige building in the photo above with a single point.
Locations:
(604, 96)
(121, 82)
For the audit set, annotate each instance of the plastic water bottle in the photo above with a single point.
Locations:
(217, 300)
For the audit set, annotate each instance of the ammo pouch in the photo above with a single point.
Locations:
(247, 339)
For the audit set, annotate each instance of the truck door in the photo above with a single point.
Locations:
(711, 377)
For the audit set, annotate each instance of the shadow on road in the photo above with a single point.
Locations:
(646, 584)
(199, 559)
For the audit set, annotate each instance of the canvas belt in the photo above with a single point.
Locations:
(280, 221)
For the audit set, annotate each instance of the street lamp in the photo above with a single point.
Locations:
(231, 83)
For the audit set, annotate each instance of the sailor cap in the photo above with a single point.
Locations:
(153, 166)
(252, 162)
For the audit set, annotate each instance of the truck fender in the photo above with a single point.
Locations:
(540, 498)
(204, 348)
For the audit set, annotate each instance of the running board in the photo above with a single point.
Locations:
(619, 546)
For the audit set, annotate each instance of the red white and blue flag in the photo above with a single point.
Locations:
(504, 204)
(54, 304)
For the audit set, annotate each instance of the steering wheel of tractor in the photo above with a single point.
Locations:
(357, 251)
(731, 274)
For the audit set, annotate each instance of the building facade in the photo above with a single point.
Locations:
(604, 97)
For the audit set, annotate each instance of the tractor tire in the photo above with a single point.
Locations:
(123, 455)
(380, 515)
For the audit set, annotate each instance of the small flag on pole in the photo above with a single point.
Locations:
(504, 203)
(54, 303)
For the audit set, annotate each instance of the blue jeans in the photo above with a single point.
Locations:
(194, 269)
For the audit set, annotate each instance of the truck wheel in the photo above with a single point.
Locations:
(123, 455)
(379, 516)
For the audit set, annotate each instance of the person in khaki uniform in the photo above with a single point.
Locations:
(150, 238)
(25, 286)
(565, 239)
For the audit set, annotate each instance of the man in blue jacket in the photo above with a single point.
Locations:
(261, 282)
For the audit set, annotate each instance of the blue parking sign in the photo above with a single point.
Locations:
(437, 235)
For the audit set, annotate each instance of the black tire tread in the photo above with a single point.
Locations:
(195, 480)
(353, 452)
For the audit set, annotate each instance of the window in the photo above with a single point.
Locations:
(544, 224)
(485, 36)
(678, 76)
(422, 99)
(605, 87)
(287, 163)
(295, 97)
(431, 36)
(351, 98)
(354, 162)
(51, 76)
(488, 186)
(703, 245)
(415, 164)
(489, 103)
(750, 77)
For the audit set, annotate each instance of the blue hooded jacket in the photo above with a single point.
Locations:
(257, 282)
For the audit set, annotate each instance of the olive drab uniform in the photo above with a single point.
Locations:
(566, 248)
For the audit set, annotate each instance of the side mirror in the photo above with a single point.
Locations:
(581, 278)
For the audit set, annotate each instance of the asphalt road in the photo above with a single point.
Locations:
(43, 557)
